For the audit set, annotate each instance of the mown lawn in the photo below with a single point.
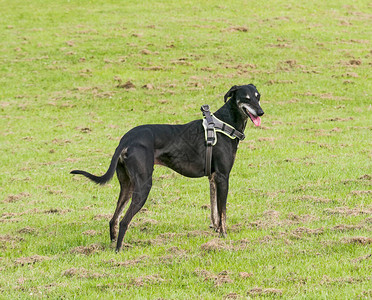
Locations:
(76, 75)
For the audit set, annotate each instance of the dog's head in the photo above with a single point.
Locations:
(248, 101)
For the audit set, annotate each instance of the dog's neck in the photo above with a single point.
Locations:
(230, 114)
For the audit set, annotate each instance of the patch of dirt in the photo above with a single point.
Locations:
(361, 240)
(271, 214)
(181, 61)
(271, 82)
(350, 74)
(127, 85)
(175, 253)
(237, 227)
(326, 280)
(90, 232)
(83, 129)
(218, 279)
(153, 68)
(215, 245)
(93, 89)
(102, 217)
(208, 69)
(242, 244)
(146, 52)
(307, 231)
(299, 232)
(271, 219)
(300, 218)
(344, 228)
(368, 220)
(355, 62)
(175, 249)
(82, 273)
(59, 142)
(337, 119)
(359, 259)
(87, 250)
(128, 263)
(146, 280)
(259, 224)
(107, 94)
(9, 215)
(158, 241)
(222, 278)
(266, 139)
(56, 211)
(17, 197)
(266, 239)
(168, 235)
(315, 199)
(245, 275)
(239, 66)
(30, 260)
(205, 207)
(8, 220)
(148, 86)
(10, 238)
(348, 211)
(237, 29)
(257, 291)
(137, 35)
(28, 230)
(145, 222)
(232, 296)
(361, 192)
(166, 259)
(197, 233)
(280, 45)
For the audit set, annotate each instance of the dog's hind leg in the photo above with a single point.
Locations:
(126, 190)
(140, 166)
(213, 198)
(139, 198)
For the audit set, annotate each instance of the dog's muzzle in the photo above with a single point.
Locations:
(252, 114)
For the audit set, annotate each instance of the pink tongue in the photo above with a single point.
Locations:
(256, 120)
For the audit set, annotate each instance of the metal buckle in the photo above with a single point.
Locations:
(210, 136)
(204, 108)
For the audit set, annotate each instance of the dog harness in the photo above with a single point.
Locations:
(212, 125)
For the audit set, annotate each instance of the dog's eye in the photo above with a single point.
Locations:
(249, 98)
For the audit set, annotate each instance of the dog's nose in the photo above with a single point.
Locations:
(260, 113)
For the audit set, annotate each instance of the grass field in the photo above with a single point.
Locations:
(76, 75)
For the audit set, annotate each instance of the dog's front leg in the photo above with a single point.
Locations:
(222, 188)
(213, 196)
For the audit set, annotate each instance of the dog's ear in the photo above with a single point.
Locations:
(230, 93)
(252, 85)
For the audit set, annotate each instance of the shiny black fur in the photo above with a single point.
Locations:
(181, 148)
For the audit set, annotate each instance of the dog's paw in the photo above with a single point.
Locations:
(113, 244)
(222, 234)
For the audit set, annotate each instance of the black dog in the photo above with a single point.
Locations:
(183, 149)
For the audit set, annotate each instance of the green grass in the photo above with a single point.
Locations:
(299, 206)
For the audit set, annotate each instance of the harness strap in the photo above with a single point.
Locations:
(210, 138)
(227, 129)
(211, 125)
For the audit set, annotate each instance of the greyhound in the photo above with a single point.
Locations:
(181, 148)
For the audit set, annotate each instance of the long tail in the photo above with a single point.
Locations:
(110, 172)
